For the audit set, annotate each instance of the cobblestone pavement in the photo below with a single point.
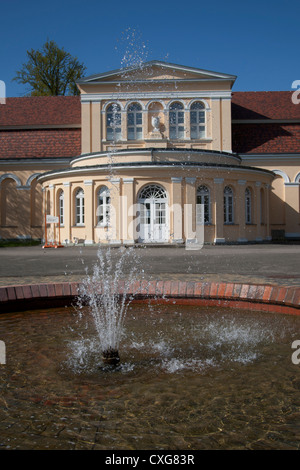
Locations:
(259, 264)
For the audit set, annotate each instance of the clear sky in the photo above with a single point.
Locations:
(256, 40)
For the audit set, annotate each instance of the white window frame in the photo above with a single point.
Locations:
(203, 199)
(61, 207)
(137, 113)
(177, 125)
(228, 205)
(200, 123)
(114, 122)
(248, 206)
(103, 207)
(79, 208)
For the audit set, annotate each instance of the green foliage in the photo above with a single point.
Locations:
(51, 71)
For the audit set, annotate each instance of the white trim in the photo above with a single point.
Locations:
(108, 103)
(157, 63)
(12, 177)
(155, 95)
(297, 178)
(98, 168)
(133, 101)
(283, 175)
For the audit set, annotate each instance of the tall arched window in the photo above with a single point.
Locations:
(248, 206)
(113, 122)
(103, 206)
(134, 122)
(61, 207)
(176, 121)
(79, 207)
(228, 205)
(197, 117)
(262, 206)
(203, 199)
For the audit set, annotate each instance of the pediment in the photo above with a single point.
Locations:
(158, 71)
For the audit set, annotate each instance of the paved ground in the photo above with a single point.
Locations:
(269, 264)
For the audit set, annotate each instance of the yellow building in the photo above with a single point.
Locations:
(149, 154)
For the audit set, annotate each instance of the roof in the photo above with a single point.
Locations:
(41, 110)
(49, 126)
(42, 143)
(264, 105)
(146, 65)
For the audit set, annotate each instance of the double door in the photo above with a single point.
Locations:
(153, 220)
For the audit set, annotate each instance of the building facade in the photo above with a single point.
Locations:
(149, 155)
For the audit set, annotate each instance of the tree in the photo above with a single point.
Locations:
(51, 71)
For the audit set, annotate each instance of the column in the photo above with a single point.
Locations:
(177, 210)
(257, 218)
(190, 210)
(267, 203)
(241, 212)
(67, 210)
(128, 212)
(89, 213)
(218, 210)
(115, 211)
(51, 227)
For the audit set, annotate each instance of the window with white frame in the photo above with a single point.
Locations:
(113, 122)
(176, 121)
(203, 205)
(103, 206)
(197, 118)
(248, 206)
(61, 204)
(79, 207)
(134, 122)
(228, 205)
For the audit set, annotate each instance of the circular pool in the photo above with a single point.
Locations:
(190, 377)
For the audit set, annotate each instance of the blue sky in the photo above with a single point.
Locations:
(256, 40)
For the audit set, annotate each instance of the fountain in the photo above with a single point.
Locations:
(99, 291)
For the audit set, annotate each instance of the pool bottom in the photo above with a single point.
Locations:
(189, 378)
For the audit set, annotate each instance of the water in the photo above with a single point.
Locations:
(100, 292)
(188, 379)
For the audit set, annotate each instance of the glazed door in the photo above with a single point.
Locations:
(153, 227)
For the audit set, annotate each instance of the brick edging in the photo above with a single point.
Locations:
(284, 299)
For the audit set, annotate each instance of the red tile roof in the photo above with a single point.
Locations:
(40, 143)
(66, 111)
(264, 105)
(266, 138)
(41, 110)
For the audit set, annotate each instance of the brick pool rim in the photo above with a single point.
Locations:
(260, 297)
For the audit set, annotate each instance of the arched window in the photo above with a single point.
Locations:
(203, 205)
(113, 122)
(134, 122)
(176, 121)
(197, 117)
(248, 206)
(79, 207)
(61, 207)
(262, 206)
(103, 206)
(228, 205)
(152, 191)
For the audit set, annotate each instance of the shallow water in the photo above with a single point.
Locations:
(189, 378)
